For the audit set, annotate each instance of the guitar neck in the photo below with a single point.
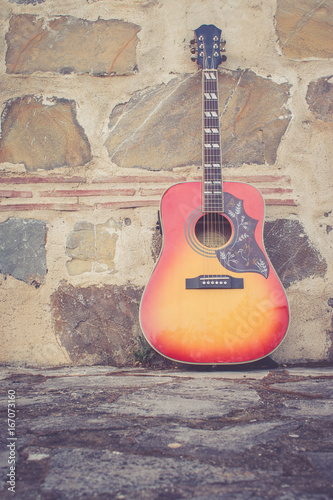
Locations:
(212, 185)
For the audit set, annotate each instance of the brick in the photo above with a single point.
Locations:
(26, 206)
(89, 192)
(275, 190)
(56, 45)
(15, 194)
(304, 28)
(252, 179)
(67, 207)
(42, 136)
(151, 192)
(33, 2)
(259, 178)
(128, 204)
(139, 179)
(289, 202)
(42, 180)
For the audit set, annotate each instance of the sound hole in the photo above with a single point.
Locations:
(213, 230)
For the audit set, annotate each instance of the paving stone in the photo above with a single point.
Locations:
(96, 472)
(76, 384)
(218, 373)
(144, 132)
(320, 98)
(22, 250)
(68, 371)
(42, 135)
(321, 388)
(319, 409)
(186, 400)
(313, 372)
(305, 28)
(323, 461)
(55, 45)
(202, 442)
(82, 428)
(72, 423)
(292, 254)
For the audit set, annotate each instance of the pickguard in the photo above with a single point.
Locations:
(242, 253)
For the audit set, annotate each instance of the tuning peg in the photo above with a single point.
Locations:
(223, 58)
(193, 58)
(193, 50)
(222, 42)
(222, 49)
(193, 41)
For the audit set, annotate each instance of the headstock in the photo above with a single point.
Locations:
(207, 47)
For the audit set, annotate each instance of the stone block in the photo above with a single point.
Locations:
(292, 254)
(22, 250)
(97, 324)
(92, 247)
(160, 128)
(66, 44)
(42, 135)
(320, 98)
(305, 28)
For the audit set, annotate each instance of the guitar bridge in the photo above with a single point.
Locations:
(214, 281)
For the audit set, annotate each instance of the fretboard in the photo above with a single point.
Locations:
(212, 185)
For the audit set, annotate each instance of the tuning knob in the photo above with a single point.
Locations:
(193, 58)
(193, 50)
(223, 58)
(193, 41)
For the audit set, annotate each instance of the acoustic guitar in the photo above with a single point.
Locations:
(213, 297)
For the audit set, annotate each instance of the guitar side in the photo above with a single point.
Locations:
(214, 325)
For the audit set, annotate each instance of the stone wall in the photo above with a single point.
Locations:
(101, 113)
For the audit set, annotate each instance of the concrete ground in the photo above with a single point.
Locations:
(204, 434)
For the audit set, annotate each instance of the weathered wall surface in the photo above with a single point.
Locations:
(101, 112)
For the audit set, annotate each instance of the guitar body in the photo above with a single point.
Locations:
(213, 303)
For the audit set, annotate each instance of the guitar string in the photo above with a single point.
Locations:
(212, 189)
(205, 170)
(203, 187)
(206, 176)
(215, 227)
(220, 179)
